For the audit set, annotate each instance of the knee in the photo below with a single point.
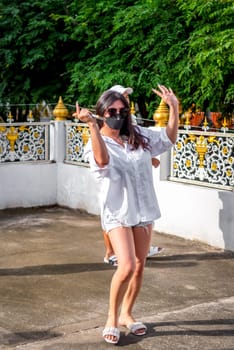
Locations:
(140, 264)
(127, 271)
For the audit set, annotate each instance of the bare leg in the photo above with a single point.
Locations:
(122, 240)
(142, 237)
(108, 246)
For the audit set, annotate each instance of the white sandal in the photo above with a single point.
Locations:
(154, 251)
(137, 328)
(112, 260)
(111, 331)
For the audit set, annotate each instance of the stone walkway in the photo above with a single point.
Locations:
(54, 287)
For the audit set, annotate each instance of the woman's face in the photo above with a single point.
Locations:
(114, 109)
(115, 115)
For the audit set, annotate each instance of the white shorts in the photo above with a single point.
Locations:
(113, 225)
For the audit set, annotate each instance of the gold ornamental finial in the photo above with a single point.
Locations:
(224, 124)
(188, 116)
(60, 112)
(10, 118)
(30, 117)
(161, 115)
(205, 125)
(133, 108)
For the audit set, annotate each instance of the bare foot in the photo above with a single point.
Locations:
(124, 320)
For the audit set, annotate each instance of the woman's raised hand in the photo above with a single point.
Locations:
(83, 114)
(166, 94)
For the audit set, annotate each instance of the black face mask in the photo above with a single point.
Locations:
(115, 123)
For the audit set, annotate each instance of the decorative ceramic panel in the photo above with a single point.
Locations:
(204, 158)
(24, 142)
(77, 135)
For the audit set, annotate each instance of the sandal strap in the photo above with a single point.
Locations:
(111, 331)
(112, 259)
(114, 332)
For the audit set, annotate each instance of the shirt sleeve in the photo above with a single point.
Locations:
(158, 139)
(88, 157)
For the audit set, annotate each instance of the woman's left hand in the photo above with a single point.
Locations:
(167, 95)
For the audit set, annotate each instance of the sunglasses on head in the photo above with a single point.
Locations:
(122, 112)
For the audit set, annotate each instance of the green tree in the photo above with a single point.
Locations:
(33, 51)
(206, 71)
(79, 48)
(124, 43)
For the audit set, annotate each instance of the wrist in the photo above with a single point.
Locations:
(92, 123)
(174, 106)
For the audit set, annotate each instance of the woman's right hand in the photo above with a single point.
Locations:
(83, 115)
(86, 116)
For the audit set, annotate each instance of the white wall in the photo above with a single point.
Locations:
(28, 185)
(196, 212)
(77, 188)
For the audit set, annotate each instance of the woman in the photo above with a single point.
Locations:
(110, 257)
(120, 158)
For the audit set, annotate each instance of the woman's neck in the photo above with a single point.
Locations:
(112, 133)
(106, 131)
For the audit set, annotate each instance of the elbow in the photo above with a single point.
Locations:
(102, 162)
(172, 135)
(173, 139)
(102, 165)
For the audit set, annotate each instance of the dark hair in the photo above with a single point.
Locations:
(135, 139)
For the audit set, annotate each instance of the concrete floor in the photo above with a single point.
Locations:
(54, 287)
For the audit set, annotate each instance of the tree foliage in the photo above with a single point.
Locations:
(78, 48)
(33, 51)
(209, 52)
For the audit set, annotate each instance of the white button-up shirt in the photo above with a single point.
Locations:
(127, 192)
